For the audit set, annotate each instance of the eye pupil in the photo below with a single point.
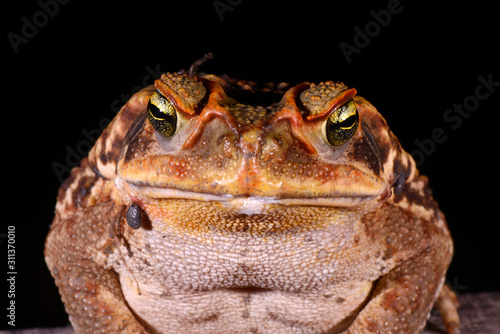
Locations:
(155, 111)
(348, 123)
(341, 125)
(162, 115)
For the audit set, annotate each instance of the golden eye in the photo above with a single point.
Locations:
(162, 115)
(341, 125)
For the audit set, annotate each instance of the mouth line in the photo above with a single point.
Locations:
(245, 203)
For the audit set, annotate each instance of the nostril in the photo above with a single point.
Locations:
(228, 142)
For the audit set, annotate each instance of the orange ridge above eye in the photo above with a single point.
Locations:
(341, 99)
(211, 110)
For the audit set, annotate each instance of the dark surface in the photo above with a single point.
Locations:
(479, 314)
(68, 80)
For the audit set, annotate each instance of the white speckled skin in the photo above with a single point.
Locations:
(249, 221)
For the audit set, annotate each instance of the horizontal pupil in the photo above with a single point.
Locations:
(155, 112)
(348, 122)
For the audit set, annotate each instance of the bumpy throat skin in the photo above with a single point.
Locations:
(201, 211)
(216, 267)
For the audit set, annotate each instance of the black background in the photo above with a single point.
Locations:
(66, 80)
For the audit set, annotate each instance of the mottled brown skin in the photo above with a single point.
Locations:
(250, 222)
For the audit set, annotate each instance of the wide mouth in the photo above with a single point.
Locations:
(245, 204)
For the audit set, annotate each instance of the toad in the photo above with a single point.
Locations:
(212, 205)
